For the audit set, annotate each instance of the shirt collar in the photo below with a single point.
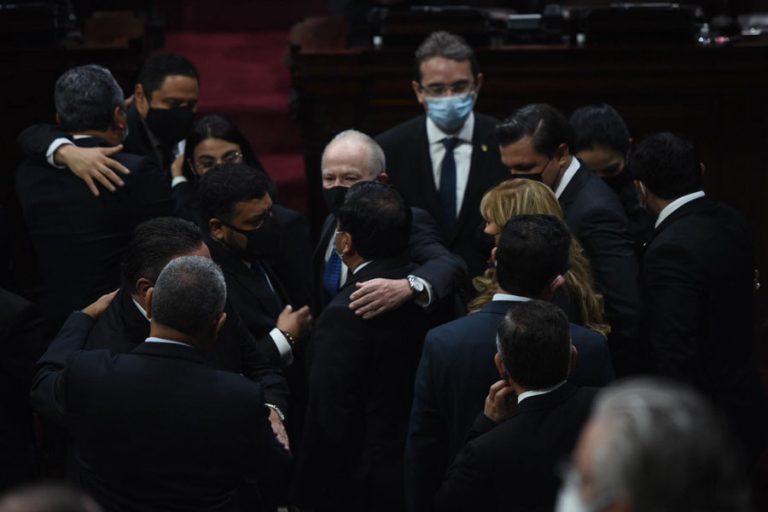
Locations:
(361, 266)
(154, 339)
(568, 175)
(140, 308)
(536, 392)
(676, 204)
(435, 135)
(510, 297)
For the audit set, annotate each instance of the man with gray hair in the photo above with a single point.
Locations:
(445, 160)
(352, 157)
(79, 239)
(654, 445)
(146, 426)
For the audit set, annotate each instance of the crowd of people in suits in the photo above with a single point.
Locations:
(451, 341)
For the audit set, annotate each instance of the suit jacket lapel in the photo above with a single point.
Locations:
(475, 188)
(572, 190)
(426, 176)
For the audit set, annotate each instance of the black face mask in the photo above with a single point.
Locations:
(334, 198)
(534, 176)
(170, 125)
(263, 242)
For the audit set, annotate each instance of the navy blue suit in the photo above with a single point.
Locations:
(452, 381)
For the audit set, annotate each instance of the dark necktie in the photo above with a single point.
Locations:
(332, 275)
(448, 182)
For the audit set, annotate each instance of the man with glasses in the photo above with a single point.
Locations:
(537, 143)
(444, 161)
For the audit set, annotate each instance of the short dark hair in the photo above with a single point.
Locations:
(226, 185)
(161, 65)
(86, 98)
(153, 244)
(446, 45)
(534, 340)
(190, 293)
(546, 125)
(532, 250)
(667, 165)
(599, 125)
(376, 217)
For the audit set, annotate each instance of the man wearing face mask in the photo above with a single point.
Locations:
(531, 419)
(536, 143)
(235, 209)
(352, 157)
(158, 120)
(444, 161)
(79, 240)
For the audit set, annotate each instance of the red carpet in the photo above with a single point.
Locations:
(243, 77)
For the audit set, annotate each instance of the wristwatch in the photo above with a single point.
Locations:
(417, 286)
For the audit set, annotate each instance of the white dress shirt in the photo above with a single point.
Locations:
(568, 175)
(154, 339)
(536, 392)
(462, 153)
(677, 203)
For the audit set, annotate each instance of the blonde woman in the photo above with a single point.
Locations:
(521, 197)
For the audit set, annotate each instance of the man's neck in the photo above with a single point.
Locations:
(353, 262)
(502, 291)
(161, 331)
(107, 135)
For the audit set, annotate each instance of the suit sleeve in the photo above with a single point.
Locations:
(437, 265)
(185, 201)
(269, 460)
(35, 140)
(427, 444)
(48, 395)
(611, 253)
(467, 485)
(674, 287)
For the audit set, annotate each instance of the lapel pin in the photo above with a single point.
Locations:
(484, 148)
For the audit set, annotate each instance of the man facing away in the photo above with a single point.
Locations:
(146, 426)
(456, 366)
(361, 371)
(531, 420)
(444, 161)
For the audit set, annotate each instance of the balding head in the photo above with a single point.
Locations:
(350, 157)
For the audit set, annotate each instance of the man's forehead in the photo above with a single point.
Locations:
(252, 207)
(181, 86)
(441, 69)
(521, 149)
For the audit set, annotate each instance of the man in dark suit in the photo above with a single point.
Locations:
(157, 429)
(698, 282)
(79, 239)
(531, 421)
(124, 325)
(361, 371)
(235, 205)
(444, 161)
(352, 157)
(457, 367)
(536, 143)
(158, 120)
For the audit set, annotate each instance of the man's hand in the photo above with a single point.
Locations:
(97, 308)
(500, 402)
(279, 429)
(378, 296)
(177, 167)
(296, 323)
(92, 165)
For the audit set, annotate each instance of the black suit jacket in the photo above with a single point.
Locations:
(697, 277)
(156, 429)
(80, 239)
(454, 374)
(514, 465)
(437, 265)
(409, 167)
(35, 140)
(361, 384)
(596, 218)
(122, 328)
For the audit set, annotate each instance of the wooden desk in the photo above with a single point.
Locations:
(715, 96)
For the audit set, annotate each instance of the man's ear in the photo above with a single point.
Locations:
(216, 229)
(58, 119)
(142, 286)
(478, 82)
(563, 155)
(553, 286)
(383, 177)
(220, 321)
(119, 119)
(148, 301)
(703, 168)
(501, 368)
(574, 358)
(141, 100)
(417, 91)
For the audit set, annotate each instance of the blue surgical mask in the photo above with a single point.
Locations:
(450, 112)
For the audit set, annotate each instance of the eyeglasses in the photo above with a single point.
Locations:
(204, 163)
(443, 89)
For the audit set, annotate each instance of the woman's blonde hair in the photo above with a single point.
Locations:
(525, 197)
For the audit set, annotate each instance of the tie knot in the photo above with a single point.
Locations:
(450, 143)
